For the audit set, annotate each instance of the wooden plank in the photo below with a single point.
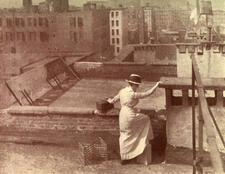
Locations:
(169, 94)
(185, 83)
(185, 97)
(219, 97)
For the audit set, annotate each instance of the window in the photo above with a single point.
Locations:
(80, 22)
(117, 13)
(73, 36)
(46, 22)
(32, 36)
(117, 40)
(22, 22)
(117, 49)
(117, 31)
(9, 36)
(113, 40)
(8, 22)
(17, 22)
(0, 22)
(80, 35)
(29, 21)
(20, 36)
(113, 32)
(23, 37)
(112, 23)
(73, 22)
(44, 37)
(35, 22)
(40, 21)
(117, 23)
(1, 36)
(112, 14)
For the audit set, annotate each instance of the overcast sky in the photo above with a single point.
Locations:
(217, 4)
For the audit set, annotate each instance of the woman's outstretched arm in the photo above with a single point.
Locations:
(148, 92)
(114, 99)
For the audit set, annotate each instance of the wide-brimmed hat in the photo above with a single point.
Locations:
(135, 79)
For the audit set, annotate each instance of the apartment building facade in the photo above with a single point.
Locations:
(130, 26)
(28, 37)
(118, 29)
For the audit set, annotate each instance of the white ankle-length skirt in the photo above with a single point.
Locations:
(135, 132)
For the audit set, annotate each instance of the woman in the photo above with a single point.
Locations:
(135, 128)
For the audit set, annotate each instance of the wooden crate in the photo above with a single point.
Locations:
(93, 151)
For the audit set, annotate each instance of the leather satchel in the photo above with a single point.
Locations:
(104, 106)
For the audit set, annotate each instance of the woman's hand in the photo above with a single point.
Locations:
(158, 83)
(110, 100)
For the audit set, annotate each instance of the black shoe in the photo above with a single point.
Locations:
(130, 161)
(124, 162)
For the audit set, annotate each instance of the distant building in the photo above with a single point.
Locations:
(82, 31)
(43, 7)
(118, 29)
(27, 5)
(148, 24)
(58, 5)
(219, 18)
(171, 21)
(123, 4)
(95, 4)
(32, 36)
(130, 26)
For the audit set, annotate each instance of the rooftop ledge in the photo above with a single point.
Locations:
(67, 111)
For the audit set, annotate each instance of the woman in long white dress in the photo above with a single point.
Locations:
(135, 127)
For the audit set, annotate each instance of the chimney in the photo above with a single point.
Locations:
(27, 4)
(59, 5)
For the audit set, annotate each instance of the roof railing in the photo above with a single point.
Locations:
(205, 118)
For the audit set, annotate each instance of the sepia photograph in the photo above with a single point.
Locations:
(112, 87)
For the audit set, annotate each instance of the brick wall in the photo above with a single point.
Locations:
(37, 123)
(59, 118)
(76, 122)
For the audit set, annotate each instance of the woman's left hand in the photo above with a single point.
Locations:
(159, 82)
(110, 100)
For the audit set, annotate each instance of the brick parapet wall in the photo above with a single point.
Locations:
(59, 118)
(60, 125)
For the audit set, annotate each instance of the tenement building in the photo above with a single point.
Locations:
(32, 36)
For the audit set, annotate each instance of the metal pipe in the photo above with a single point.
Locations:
(198, 7)
(200, 139)
(14, 95)
(193, 121)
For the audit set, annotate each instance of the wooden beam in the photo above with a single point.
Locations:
(185, 97)
(169, 94)
(219, 97)
(185, 83)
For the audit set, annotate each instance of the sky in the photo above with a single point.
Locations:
(217, 4)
